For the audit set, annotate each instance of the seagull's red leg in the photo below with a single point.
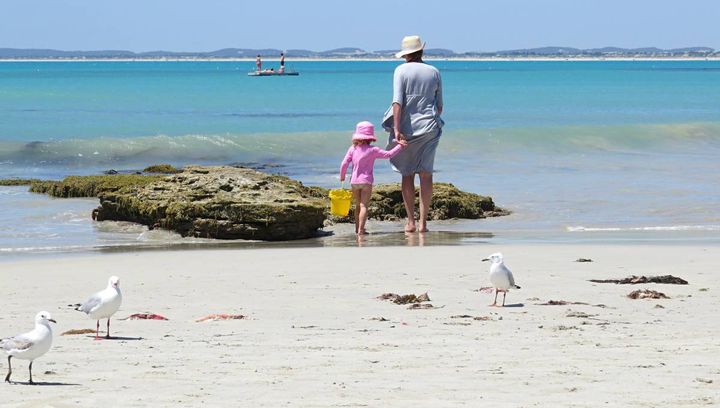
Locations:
(97, 331)
(495, 301)
(504, 293)
(108, 329)
(7, 378)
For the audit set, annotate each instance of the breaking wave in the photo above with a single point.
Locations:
(273, 147)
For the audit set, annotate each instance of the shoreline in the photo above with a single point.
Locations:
(315, 334)
(479, 59)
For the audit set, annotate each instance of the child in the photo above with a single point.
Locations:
(363, 155)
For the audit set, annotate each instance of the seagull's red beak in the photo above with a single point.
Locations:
(52, 320)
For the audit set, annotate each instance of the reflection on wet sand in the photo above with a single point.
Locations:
(400, 238)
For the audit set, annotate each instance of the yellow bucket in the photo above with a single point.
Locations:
(340, 200)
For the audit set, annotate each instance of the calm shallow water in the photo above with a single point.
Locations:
(619, 151)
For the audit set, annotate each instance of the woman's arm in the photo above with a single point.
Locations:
(397, 103)
(439, 97)
(397, 111)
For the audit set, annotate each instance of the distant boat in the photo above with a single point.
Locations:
(273, 73)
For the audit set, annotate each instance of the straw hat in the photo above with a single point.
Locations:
(410, 44)
(364, 131)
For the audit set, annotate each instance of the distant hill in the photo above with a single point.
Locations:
(352, 52)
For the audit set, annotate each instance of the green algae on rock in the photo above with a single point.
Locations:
(448, 202)
(90, 186)
(17, 182)
(220, 202)
(162, 169)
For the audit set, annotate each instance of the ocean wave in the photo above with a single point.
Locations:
(700, 228)
(310, 146)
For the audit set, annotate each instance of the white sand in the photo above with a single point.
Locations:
(311, 341)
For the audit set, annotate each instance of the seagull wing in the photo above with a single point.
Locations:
(90, 304)
(16, 343)
(510, 277)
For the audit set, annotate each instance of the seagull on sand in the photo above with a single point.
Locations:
(500, 276)
(103, 305)
(30, 345)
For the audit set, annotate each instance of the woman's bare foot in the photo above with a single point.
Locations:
(423, 227)
(362, 232)
(409, 227)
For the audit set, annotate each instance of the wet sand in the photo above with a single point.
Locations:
(316, 336)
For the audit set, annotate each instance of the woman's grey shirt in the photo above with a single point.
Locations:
(417, 87)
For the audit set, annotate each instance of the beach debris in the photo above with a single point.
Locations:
(703, 289)
(485, 289)
(560, 303)
(659, 306)
(465, 316)
(581, 315)
(415, 306)
(704, 380)
(634, 280)
(404, 299)
(379, 319)
(78, 331)
(583, 260)
(563, 328)
(145, 316)
(221, 316)
(647, 294)
(567, 302)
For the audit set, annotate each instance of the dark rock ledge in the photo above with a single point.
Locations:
(227, 202)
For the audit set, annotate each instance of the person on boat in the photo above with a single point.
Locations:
(258, 63)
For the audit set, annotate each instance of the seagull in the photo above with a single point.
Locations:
(500, 276)
(30, 345)
(103, 304)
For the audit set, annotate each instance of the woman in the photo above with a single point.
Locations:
(416, 108)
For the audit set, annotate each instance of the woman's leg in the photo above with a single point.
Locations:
(426, 189)
(365, 195)
(356, 199)
(408, 194)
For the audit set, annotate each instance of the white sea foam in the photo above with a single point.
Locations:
(647, 228)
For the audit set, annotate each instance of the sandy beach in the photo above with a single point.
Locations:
(316, 336)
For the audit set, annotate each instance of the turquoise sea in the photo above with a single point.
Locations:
(602, 150)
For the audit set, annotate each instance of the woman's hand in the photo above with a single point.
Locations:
(399, 136)
(402, 142)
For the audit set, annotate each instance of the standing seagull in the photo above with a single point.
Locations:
(500, 276)
(30, 345)
(103, 304)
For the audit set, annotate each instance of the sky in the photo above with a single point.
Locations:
(460, 25)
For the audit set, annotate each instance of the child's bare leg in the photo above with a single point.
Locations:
(356, 199)
(365, 194)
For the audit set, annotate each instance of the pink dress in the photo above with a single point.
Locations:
(363, 157)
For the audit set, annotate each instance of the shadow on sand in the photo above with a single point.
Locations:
(45, 384)
(117, 338)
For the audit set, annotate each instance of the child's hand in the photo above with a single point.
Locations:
(401, 142)
(342, 179)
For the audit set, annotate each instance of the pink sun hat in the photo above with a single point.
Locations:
(364, 131)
